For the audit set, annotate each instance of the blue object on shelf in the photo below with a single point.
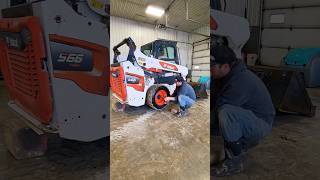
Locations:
(203, 79)
(301, 56)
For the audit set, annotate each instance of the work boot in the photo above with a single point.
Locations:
(182, 113)
(229, 167)
(234, 161)
(118, 107)
(175, 110)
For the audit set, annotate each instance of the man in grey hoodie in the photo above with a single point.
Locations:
(243, 112)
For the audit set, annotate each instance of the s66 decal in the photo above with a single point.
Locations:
(70, 58)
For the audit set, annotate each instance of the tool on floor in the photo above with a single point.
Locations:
(55, 63)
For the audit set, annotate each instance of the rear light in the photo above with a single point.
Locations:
(115, 74)
(117, 83)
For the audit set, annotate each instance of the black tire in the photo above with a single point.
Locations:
(151, 97)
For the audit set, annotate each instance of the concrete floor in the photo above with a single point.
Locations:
(65, 160)
(159, 146)
(292, 151)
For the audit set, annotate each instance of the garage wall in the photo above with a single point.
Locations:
(143, 33)
(243, 8)
(3, 4)
(236, 7)
(288, 24)
(200, 53)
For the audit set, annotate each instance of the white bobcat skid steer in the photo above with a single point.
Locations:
(138, 79)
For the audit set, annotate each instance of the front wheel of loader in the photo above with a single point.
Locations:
(156, 97)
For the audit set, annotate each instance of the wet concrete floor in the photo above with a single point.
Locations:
(65, 160)
(156, 145)
(291, 152)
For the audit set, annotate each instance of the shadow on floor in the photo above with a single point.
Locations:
(64, 159)
(292, 151)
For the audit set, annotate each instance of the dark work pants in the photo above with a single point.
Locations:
(185, 102)
(235, 123)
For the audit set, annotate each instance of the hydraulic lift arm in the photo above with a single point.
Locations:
(132, 47)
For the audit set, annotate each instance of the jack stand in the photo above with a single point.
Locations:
(118, 107)
(22, 141)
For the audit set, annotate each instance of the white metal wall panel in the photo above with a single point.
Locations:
(197, 74)
(201, 47)
(301, 17)
(289, 3)
(203, 30)
(202, 60)
(143, 33)
(185, 57)
(198, 54)
(272, 56)
(203, 67)
(296, 38)
(200, 57)
(3, 4)
(285, 27)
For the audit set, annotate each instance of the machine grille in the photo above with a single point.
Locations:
(24, 71)
(117, 83)
(22, 57)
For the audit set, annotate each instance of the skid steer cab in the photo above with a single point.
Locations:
(139, 79)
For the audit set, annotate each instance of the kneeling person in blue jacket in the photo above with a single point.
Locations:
(243, 111)
(186, 96)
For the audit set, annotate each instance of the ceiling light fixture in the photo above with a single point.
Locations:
(154, 11)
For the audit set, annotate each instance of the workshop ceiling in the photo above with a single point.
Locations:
(176, 10)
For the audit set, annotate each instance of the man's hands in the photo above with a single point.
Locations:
(168, 99)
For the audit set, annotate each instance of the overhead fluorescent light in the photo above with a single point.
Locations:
(154, 11)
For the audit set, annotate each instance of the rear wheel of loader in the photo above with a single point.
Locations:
(156, 97)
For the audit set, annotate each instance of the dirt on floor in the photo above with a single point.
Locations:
(64, 160)
(157, 145)
(292, 151)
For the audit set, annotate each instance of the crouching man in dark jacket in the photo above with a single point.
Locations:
(186, 96)
(243, 112)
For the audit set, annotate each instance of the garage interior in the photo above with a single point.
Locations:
(152, 144)
(157, 145)
(279, 29)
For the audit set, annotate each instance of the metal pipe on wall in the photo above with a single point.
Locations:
(292, 27)
(291, 7)
(190, 32)
(260, 31)
(170, 27)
